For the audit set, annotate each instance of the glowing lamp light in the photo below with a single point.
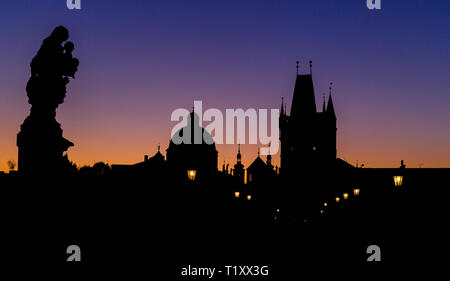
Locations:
(325, 204)
(356, 191)
(398, 180)
(191, 174)
(278, 210)
(338, 199)
(236, 194)
(321, 211)
(249, 197)
(345, 195)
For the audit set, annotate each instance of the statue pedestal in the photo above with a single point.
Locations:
(41, 146)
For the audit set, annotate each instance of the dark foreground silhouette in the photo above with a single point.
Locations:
(159, 226)
(160, 215)
(40, 141)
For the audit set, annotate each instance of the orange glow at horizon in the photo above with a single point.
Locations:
(129, 150)
(102, 134)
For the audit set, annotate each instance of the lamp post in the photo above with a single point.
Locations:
(191, 174)
(398, 181)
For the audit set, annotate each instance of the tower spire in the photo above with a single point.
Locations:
(297, 66)
(282, 107)
(310, 67)
(269, 159)
(323, 105)
(330, 106)
(239, 156)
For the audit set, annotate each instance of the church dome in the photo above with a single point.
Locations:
(195, 134)
(192, 148)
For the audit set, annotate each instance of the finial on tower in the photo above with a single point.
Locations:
(310, 67)
(297, 66)
(258, 151)
(331, 86)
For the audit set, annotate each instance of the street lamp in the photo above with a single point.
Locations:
(338, 199)
(236, 194)
(191, 174)
(398, 180)
(345, 195)
(356, 191)
(249, 197)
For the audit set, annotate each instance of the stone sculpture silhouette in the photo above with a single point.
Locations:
(40, 141)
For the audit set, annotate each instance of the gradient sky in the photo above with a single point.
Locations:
(140, 60)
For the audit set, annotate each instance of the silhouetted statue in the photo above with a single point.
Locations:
(40, 141)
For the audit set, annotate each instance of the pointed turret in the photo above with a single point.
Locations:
(303, 102)
(330, 107)
(238, 170)
(282, 107)
(239, 156)
(323, 104)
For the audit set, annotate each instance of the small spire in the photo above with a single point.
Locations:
(282, 106)
(258, 151)
(310, 67)
(330, 107)
(331, 86)
(239, 156)
(159, 147)
(323, 107)
(297, 66)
